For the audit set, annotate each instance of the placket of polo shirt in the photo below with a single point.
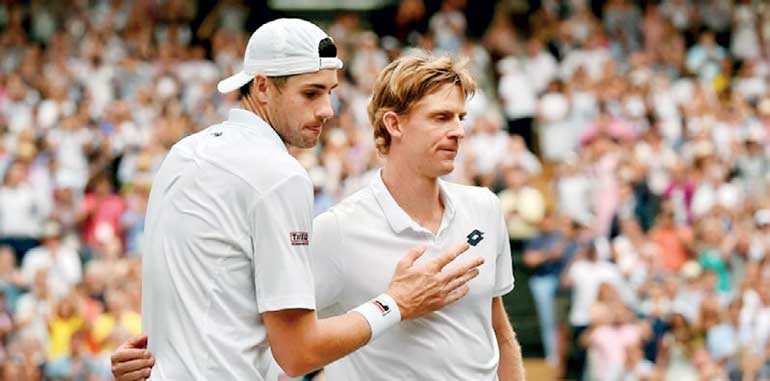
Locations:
(449, 210)
(400, 220)
(417, 228)
(446, 219)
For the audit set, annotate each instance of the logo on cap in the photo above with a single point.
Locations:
(299, 238)
(475, 237)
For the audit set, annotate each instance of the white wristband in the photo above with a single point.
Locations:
(381, 313)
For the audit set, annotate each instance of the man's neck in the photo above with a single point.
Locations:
(249, 104)
(417, 195)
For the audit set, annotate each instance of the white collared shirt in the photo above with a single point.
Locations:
(227, 232)
(355, 248)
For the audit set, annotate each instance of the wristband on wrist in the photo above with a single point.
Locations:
(381, 313)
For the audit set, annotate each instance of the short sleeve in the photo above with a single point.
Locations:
(281, 230)
(503, 265)
(325, 261)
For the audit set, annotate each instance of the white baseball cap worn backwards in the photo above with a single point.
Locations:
(284, 47)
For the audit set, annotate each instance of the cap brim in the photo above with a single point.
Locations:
(234, 82)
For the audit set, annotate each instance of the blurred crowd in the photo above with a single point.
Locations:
(627, 140)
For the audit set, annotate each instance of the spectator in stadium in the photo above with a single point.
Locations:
(678, 350)
(100, 213)
(64, 323)
(673, 241)
(523, 205)
(60, 260)
(487, 147)
(12, 281)
(546, 255)
(33, 311)
(519, 98)
(612, 333)
(584, 275)
(21, 210)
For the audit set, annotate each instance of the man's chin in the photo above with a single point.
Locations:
(446, 168)
(305, 142)
(310, 144)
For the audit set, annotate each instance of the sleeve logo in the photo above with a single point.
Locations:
(298, 238)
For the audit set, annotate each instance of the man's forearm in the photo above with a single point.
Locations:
(300, 343)
(337, 337)
(511, 366)
(311, 343)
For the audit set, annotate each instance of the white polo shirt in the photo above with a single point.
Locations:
(227, 231)
(355, 248)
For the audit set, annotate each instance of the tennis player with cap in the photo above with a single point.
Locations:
(226, 273)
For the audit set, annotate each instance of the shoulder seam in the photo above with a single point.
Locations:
(262, 193)
(272, 188)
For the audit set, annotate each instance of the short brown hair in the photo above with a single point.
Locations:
(279, 82)
(407, 80)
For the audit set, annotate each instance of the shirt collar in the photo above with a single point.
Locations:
(246, 118)
(398, 219)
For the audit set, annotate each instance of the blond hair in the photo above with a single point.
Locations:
(406, 81)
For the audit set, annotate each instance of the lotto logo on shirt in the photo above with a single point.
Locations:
(298, 238)
(475, 237)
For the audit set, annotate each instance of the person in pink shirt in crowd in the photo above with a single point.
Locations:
(605, 158)
(608, 125)
(612, 333)
(100, 213)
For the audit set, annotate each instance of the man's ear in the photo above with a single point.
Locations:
(261, 88)
(393, 123)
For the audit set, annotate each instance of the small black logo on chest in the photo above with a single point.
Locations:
(216, 134)
(475, 237)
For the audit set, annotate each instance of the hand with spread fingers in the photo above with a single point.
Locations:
(131, 361)
(422, 288)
